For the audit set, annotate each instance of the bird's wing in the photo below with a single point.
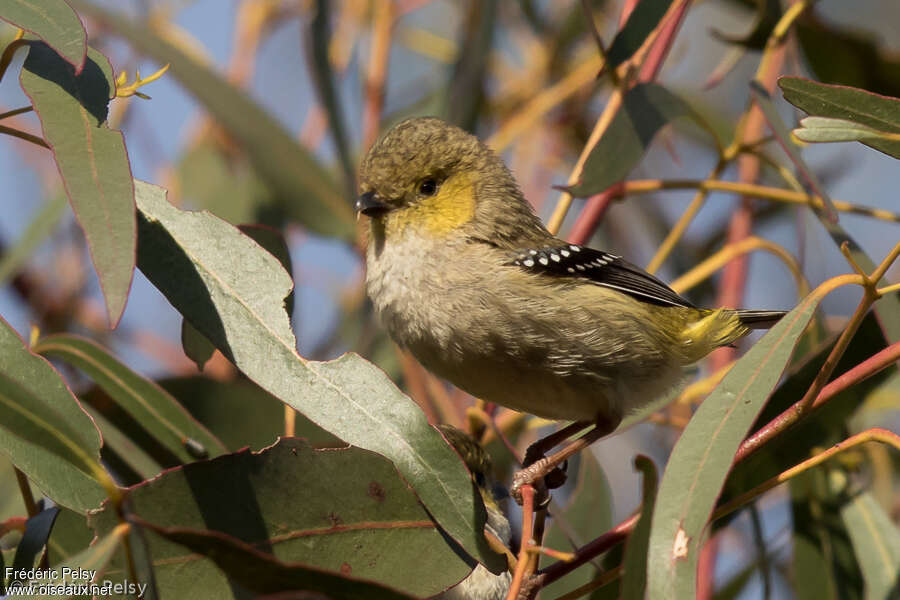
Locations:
(600, 268)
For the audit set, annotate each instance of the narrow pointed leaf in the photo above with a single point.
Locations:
(645, 17)
(888, 310)
(634, 578)
(286, 515)
(94, 559)
(825, 129)
(37, 530)
(116, 442)
(764, 101)
(301, 184)
(195, 345)
(150, 405)
(876, 542)
(703, 456)
(588, 514)
(241, 414)
(767, 14)
(91, 159)
(646, 109)
(37, 231)
(43, 428)
(53, 21)
(233, 292)
(852, 104)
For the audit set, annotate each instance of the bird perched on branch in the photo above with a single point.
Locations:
(464, 275)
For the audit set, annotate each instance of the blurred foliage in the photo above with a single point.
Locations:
(214, 461)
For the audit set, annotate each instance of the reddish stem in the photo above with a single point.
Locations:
(596, 206)
(789, 417)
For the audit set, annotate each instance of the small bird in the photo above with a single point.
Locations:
(465, 276)
(481, 584)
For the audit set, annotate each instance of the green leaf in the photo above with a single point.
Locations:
(300, 183)
(289, 515)
(94, 558)
(53, 21)
(464, 97)
(117, 446)
(232, 291)
(767, 14)
(765, 104)
(91, 158)
(646, 108)
(703, 455)
(70, 536)
(840, 102)
(876, 542)
(37, 530)
(838, 52)
(223, 183)
(824, 129)
(38, 230)
(587, 514)
(44, 430)
(240, 413)
(820, 429)
(158, 412)
(645, 17)
(822, 549)
(195, 345)
(323, 78)
(888, 310)
(634, 577)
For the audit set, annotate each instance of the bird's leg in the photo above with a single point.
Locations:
(538, 449)
(537, 466)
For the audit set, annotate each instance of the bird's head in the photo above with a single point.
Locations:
(428, 178)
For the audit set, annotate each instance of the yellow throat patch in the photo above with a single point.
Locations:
(452, 206)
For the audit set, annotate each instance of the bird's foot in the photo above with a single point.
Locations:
(542, 473)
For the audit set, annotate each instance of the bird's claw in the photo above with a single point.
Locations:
(541, 474)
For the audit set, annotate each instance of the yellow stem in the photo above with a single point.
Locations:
(648, 186)
(544, 102)
(565, 198)
(677, 231)
(709, 266)
(871, 435)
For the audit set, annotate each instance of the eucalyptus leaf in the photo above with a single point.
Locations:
(635, 564)
(645, 17)
(92, 160)
(646, 108)
(876, 542)
(881, 113)
(288, 515)
(53, 21)
(301, 184)
(156, 411)
(824, 129)
(43, 429)
(233, 292)
(703, 455)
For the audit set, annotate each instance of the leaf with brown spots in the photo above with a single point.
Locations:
(284, 514)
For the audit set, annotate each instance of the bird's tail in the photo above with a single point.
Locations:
(759, 319)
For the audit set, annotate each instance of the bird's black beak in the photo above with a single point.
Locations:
(369, 206)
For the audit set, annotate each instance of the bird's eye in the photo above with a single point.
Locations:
(428, 187)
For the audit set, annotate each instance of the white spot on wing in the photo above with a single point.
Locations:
(543, 260)
(528, 263)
